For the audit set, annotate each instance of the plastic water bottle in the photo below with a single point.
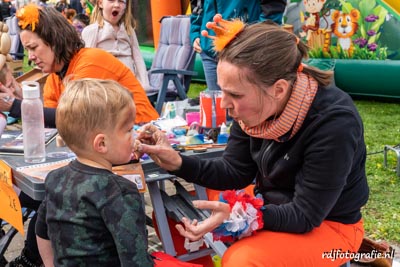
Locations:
(32, 123)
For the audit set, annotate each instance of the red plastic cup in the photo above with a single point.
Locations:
(211, 113)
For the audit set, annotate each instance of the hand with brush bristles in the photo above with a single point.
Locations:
(155, 143)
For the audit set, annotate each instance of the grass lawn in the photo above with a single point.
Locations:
(382, 127)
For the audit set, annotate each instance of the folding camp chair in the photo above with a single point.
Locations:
(172, 67)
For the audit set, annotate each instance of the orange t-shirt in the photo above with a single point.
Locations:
(97, 63)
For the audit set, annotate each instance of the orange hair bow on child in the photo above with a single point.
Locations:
(28, 15)
(224, 30)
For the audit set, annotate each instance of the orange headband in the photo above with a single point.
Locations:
(28, 15)
(224, 30)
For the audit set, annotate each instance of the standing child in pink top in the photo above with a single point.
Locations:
(113, 29)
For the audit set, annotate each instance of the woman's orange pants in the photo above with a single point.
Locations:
(331, 244)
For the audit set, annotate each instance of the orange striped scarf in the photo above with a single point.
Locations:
(293, 115)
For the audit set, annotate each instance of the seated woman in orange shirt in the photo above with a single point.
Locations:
(58, 50)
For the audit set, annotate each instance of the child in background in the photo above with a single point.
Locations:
(61, 6)
(80, 21)
(9, 90)
(8, 82)
(113, 29)
(70, 13)
(102, 223)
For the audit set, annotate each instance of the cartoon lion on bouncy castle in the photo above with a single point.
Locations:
(344, 26)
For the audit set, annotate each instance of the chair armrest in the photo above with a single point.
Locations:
(17, 54)
(172, 71)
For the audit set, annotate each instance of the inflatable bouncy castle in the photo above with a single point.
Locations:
(358, 39)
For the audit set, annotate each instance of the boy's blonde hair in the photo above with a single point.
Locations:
(88, 107)
(127, 18)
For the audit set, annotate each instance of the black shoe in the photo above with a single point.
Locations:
(23, 261)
